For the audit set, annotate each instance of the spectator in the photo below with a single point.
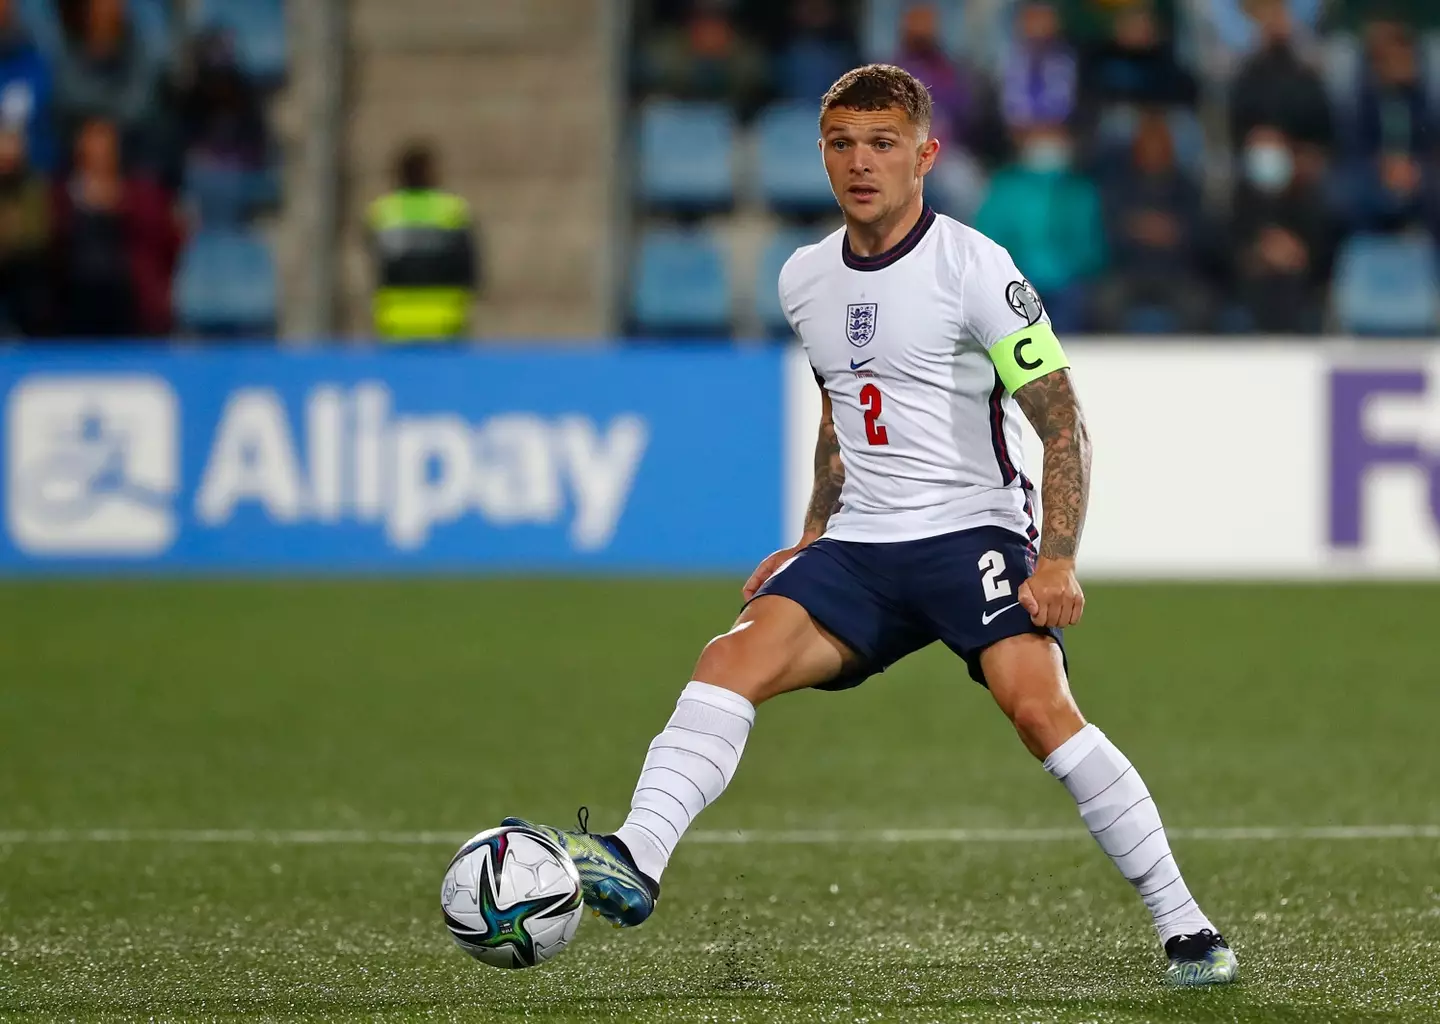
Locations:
(1039, 80)
(1393, 114)
(1154, 223)
(26, 88)
(816, 52)
(1090, 22)
(1385, 185)
(1355, 14)
(24, 239)
(1048, 216)
(106, 71)
(961, 121)
(1281, 238)
(117, 241)
(221, 109)
(1275, 87)
(1136, 65)
(707, 59)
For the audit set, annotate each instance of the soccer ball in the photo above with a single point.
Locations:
(511, 898)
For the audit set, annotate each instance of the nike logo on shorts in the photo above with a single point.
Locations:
(990, 617)
(855, 366)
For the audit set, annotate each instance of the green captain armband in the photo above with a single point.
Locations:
(1027, 355)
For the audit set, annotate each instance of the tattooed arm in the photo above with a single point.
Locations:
(1052, 596)
(829, 475)
(824, 497)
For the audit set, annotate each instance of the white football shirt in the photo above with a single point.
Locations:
(901, 341)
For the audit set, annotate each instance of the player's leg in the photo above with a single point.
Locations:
(774, 647)
(1026, 675)
(815, 622)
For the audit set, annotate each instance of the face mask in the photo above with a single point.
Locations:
(1048, 156)
(1268, 166)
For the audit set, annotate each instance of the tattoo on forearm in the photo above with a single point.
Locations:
(829, 479)
(1053, 410)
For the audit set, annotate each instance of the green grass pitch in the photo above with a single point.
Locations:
(388, 708)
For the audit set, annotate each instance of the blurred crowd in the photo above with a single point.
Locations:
(1154, 167)
(122, 133)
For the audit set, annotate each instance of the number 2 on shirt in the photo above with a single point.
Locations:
(870, 399)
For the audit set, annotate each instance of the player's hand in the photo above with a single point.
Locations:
(767, 568)
(1052, 595)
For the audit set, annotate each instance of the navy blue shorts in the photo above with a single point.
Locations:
(884, 601)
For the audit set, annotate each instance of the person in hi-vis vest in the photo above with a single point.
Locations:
(426, 270)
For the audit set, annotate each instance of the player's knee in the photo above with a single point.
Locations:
(733, 662)
(1039, 720)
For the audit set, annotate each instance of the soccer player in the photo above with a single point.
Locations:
(927, 343)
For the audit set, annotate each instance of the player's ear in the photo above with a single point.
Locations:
(929, 150)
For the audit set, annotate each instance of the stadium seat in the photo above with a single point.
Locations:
(792, 174)
(808, 67)
(259, 30)
(1236, 33)
(680, 284)
(226, 285)
(226, 196)
(767, 279)
(1387, 285)
(218, 192)
(687, 155)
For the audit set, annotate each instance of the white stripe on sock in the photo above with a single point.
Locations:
(1121, 815)
(687, 767)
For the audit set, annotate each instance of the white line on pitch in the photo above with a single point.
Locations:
(803, 837)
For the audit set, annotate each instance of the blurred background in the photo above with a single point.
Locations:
(209, 169)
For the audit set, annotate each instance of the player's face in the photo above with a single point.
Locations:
(875, 160)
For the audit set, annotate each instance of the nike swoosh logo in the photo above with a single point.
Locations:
(855, 366)
(990, 617)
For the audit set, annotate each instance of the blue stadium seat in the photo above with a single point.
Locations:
(792, 173)
(1236, 32)
(226, 196)
(680, 284)
(226, 285)
(687, 154)
(767, 294)
(259, 30)
(1389, 286)
(219, 193)
(807, 68)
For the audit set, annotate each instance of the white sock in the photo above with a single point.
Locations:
(1118, 810)
(689, 765)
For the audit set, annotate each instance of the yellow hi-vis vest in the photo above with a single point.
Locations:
(425, 265)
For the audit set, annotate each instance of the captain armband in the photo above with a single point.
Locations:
(1027, 355)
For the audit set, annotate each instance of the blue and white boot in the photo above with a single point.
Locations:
(1204, 958)
(612, 885)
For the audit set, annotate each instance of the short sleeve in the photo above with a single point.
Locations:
(1004, 313)
(786, 302)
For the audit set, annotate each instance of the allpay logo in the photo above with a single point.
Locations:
(360, 461)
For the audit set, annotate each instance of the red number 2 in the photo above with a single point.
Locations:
(870, 399)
